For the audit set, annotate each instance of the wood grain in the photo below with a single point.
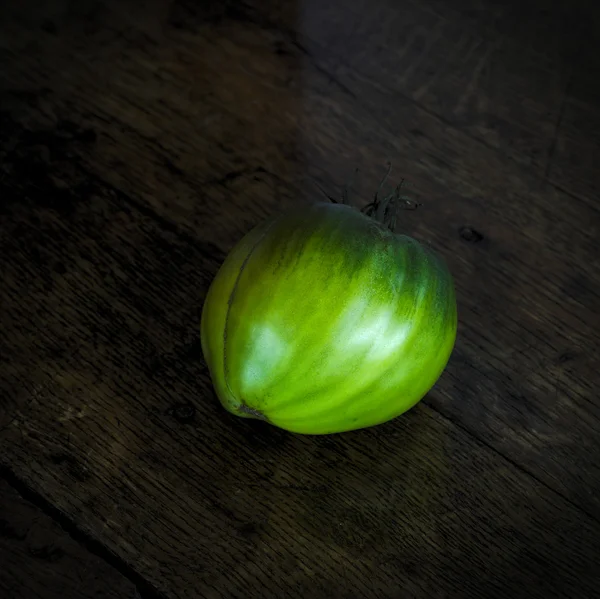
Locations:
(40, 559)
(139, 142)
(192, 161)
(576, 155)
(127, 438)
(498, 72)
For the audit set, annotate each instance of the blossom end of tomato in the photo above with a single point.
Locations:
(246, 411)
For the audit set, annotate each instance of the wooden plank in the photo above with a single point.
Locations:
(553, 30)
(497, 73)
(126, 438)
(40, 559)
(153, 72)
(523, 368)
(576, 157)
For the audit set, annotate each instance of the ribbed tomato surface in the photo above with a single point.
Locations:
(322, 320)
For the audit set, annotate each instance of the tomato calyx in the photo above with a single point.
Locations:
(384, 210)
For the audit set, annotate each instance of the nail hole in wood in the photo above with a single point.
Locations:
(471, 235)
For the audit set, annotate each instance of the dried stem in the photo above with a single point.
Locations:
(382, 209)
(385, 210)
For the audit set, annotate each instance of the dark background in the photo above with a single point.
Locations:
(139, 141)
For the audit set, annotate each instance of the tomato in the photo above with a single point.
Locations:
(323, 320)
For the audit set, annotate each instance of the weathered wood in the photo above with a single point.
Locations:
(191, 139)
(38, 558)
(126, 437)
(488, 71)
(138, 142)
(576, 156)
(499, 73)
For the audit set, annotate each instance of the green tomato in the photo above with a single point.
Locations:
(322, 320)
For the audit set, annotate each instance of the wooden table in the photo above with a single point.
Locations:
(139, 141)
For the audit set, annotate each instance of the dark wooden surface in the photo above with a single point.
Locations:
(41, 559)
(139, 141)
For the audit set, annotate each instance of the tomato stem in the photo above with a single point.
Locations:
(385, 210)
